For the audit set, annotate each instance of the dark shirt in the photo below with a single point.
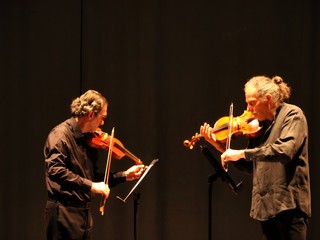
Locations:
(280, 166)
(70, 165)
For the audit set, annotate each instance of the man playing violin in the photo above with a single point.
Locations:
(71, 173)
(277, 158)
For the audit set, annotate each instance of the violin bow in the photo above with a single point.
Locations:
(228, 143)
(107, 171)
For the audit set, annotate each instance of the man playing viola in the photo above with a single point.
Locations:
(71, 173)
(277, 158)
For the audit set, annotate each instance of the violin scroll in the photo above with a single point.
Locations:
(190, 143)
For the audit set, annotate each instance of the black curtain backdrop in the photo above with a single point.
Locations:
(166, 67)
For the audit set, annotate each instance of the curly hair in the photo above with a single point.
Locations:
(90, 101)
(275, 86)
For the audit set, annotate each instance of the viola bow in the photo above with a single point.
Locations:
(107, 171)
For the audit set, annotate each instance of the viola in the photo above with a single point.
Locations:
(244, 124)
(100, 139)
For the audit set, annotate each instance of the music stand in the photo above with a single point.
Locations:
(219, 172)
(136, 197)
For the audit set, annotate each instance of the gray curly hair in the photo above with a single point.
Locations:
(275, 86)
(90, 101)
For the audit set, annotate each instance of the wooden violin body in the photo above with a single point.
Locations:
(245, 124)
(100, 139)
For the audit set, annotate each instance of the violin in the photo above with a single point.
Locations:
(244, 124)
(100, 139)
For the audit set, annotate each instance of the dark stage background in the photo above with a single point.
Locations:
(166, 67)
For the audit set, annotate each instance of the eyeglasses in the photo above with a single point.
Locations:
(102, 116)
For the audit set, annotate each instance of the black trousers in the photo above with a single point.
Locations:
(67, 222)
(287, 225)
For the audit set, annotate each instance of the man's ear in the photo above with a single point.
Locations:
(269, 97)
(90, 115)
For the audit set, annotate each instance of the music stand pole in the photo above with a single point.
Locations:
(135, 213)
(211, 179)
